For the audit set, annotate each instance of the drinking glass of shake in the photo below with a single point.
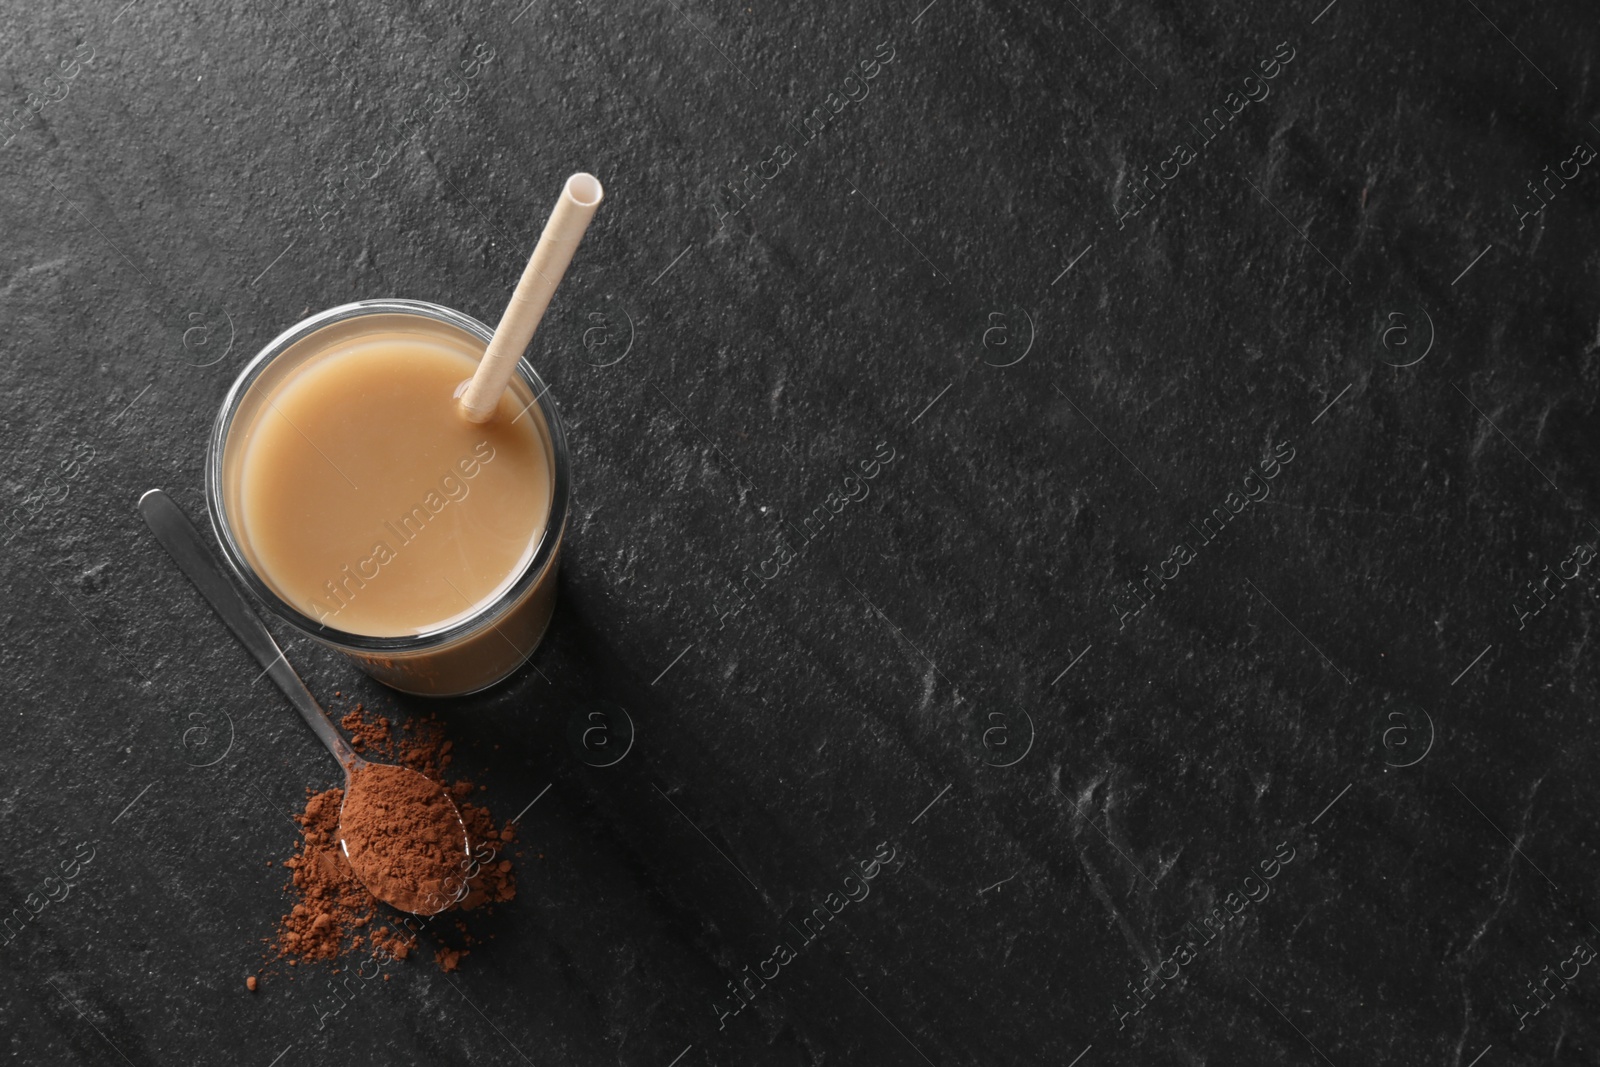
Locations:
(391, 478)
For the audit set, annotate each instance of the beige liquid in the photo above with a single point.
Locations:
(368, 503)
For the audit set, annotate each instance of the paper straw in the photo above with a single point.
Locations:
(575, 207)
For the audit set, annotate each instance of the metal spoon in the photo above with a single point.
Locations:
(182, 541)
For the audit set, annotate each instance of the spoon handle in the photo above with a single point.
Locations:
(182, 541)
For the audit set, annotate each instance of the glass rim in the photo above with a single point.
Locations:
(543, 553)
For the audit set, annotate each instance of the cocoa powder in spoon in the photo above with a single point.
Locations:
(402, 835)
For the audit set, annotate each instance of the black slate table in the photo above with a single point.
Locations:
(1206, 671)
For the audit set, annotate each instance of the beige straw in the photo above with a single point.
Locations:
(579, 198)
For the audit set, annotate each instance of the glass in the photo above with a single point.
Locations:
(468, 654)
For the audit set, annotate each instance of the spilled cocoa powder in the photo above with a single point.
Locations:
(335, 916)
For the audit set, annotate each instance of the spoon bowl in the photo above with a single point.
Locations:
(400, 830)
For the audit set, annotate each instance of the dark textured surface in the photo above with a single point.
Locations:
(1350, 674)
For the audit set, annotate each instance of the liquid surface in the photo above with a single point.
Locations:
(372, 506)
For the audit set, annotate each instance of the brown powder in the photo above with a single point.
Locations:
(403, 838)
(366, 733)
(333, 915)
